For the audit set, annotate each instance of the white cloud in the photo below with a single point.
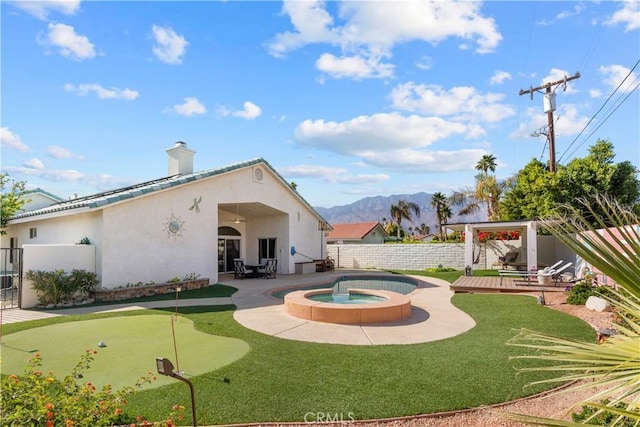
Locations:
(461, 103)
(426, 161)
(614, 76)
(100, 181)
(568, 122)
(595, 93)
(390, 141)
(311, 22)
(385, 24)
(356, 67)
(69, 44)
(425, 63)
(34, 163)
(170, 46)
(577, 10)
(191, 106)
(555, 75)
(331, 174)
(368, 31)
(628, 14)
(379, 132)
(9, 139)
(249, 112)
(499, 77)
(58, 152)
(311, 171)
(42, 9)
(102, 92)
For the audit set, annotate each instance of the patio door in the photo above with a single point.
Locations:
(228, 250)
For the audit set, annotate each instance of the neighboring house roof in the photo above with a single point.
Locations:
(44, 193)
(108, 197)
(352, 231)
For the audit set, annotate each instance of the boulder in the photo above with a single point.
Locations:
(597, 304)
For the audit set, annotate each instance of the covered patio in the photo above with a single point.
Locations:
(528, 235)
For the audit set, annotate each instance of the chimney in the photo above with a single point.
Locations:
(180, 159)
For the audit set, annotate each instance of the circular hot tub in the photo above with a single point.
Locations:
(357, 307)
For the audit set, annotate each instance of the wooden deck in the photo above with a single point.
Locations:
(491, 284)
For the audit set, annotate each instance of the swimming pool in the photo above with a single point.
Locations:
(400, 284)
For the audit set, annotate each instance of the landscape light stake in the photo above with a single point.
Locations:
(165, 367)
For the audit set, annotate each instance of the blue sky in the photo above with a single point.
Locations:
(347, 99)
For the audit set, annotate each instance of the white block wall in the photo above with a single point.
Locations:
(399, 257)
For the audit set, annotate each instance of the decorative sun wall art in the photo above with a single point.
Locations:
(174, 226)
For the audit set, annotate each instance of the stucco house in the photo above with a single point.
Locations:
(360, 232)
(38, 198)
(185, 223)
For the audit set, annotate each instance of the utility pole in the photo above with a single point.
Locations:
(549, 108)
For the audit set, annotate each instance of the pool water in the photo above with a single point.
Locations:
(350, 298)
(341, 285)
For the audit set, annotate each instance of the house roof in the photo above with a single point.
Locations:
(100, 200)
(44, 193)
(351, 230)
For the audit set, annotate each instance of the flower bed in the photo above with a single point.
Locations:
(120, 294)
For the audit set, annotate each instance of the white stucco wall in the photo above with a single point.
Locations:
(139, 246)
(134, 242)
(66, 229)
(54, 257)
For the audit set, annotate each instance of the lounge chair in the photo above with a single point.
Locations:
(268, 270)
(552, 273)
(241, 271)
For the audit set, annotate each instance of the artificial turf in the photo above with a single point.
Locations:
(132, 345)
(283, 380)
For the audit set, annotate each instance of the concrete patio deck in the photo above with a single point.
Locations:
(433, 316)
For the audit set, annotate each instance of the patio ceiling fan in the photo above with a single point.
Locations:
(237, 219)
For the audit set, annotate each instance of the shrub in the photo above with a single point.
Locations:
(39, 399)
(580, 293)
(58, 286)
(439, 269)
(590, 415)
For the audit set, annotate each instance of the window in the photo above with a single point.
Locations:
(267, 248)
(33, 232)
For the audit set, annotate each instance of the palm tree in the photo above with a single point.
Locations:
(403, 211)
(487, 163)
(445, 214)
(424, 229)
(487, 191)
(612, 368)
(438, 200)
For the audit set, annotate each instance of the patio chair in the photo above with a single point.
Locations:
(557, 273)
(268, 271)
(331, 265)
(550, 273)
(508, 259)
(240, 271)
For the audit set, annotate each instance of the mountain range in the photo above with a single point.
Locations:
(376, 208)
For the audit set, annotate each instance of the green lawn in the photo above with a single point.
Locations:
(282, 380)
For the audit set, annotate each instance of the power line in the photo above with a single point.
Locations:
(607, 117)
(597, 112)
